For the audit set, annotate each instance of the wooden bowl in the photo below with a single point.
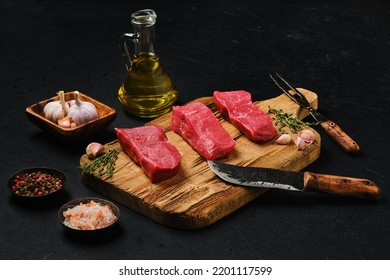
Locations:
(106, 116)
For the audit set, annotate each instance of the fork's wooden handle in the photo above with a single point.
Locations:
(341, 185)
(346, 142)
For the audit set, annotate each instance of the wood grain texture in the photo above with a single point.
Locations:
(342, 185)
(196, 197)
(341, 138)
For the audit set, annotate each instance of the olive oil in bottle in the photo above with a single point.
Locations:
(148, 90)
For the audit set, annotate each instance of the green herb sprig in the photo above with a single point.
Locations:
(105, 161)
(283, 119)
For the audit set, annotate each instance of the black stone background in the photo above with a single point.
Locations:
(339, 49)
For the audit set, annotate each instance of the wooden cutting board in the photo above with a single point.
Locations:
(196, 197)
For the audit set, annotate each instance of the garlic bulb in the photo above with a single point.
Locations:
(82, 111)
(56, 110)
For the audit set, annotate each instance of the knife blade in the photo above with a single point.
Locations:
(295, 181)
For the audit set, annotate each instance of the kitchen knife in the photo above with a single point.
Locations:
(295, 181)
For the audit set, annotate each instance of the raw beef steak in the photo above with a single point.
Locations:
(238, 109)
(198, 126)
(148, 146)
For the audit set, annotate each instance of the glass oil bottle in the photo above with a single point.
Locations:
(148, 91)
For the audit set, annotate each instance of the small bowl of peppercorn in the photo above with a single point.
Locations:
(36, 182)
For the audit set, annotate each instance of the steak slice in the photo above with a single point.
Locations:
(198, 126)
(149, 147)
(237, 108)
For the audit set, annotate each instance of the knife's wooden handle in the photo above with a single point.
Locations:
(346, 142)
(341, 185)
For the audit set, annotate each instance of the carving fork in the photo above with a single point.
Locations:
(330, 127)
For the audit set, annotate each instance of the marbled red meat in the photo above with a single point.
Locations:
(237, 108)
(149, 147)
(198, 126)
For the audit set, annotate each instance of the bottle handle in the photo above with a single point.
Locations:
(124, 49)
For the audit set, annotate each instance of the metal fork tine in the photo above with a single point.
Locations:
(297, 96)
(293, 89)
(285, 91)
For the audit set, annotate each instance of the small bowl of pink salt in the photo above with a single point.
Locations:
(88, 214)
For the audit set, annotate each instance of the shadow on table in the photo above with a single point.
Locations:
(44, 203)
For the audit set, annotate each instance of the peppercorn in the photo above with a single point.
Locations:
(36, 184)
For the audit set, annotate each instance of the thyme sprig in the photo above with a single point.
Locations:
(282, 119)
(104, 162)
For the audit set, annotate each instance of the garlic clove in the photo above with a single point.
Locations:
(283, 139)
(65, 122)
(307, 135)
(94, 150)
(300, 143)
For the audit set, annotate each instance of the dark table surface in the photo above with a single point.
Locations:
(338, 49)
